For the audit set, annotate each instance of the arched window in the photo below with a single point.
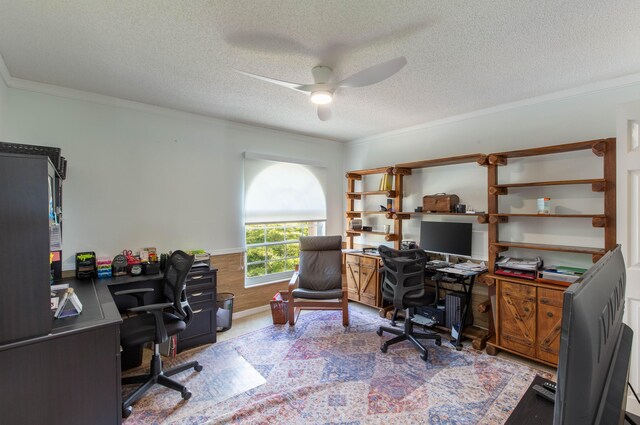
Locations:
(283, 201)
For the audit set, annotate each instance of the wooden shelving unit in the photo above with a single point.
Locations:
(546, 247)
(597, 185)
(389, 237)
(359, 195)
(529, 313)
(352, 195)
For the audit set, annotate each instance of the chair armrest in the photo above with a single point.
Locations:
(150, 308)
(156, 310)
(293, 282)
(138, 293)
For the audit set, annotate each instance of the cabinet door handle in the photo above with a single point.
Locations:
(549, 314)
(196, 295)
(197, 311)
(197, 277)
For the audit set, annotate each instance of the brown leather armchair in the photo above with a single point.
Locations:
(317, 283)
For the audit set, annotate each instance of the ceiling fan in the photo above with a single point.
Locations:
(322, 90)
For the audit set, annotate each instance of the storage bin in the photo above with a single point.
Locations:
(224, 312)
(279, 308)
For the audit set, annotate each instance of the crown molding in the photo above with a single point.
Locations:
(586, 89)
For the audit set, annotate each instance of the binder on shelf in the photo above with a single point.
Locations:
(69, 305)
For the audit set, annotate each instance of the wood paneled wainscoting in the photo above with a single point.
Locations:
(231, 279)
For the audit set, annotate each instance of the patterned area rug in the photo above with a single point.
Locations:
(322, 373)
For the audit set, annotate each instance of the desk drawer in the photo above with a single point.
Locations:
(201, 293)
(201, 329)
(201, 278)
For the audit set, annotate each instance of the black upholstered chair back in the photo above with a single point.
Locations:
(403, 281)
(320, 267)
(174, 281)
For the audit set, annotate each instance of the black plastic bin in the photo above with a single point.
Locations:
(224, 312)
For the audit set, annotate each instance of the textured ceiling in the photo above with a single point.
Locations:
(462, 55)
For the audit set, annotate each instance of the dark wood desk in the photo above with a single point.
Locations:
(201, 293)
(532, 409)
(70, 376)
(535, 410)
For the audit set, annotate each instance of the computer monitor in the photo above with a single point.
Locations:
(446, 238)
(595, 347)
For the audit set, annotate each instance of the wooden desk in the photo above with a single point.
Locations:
(70, 376)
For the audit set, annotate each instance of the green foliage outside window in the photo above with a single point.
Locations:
(274, 247)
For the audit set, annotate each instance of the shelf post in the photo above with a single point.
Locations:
(397, 202)
(351, 184)
(609, 173)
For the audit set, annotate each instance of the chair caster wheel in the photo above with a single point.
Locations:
(424, 356)
(186, 394)
(394, 324)
(438, 342)
(126, 412)
(458, 348)
(198, 368)
(379, 332)
(383, 348)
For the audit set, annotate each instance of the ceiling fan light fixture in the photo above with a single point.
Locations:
(321, 97)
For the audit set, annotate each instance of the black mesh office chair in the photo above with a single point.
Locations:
(403, 285)
(155, 324)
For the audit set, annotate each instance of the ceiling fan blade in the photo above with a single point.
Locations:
(374, 74)
(324, 112)
(287, 84)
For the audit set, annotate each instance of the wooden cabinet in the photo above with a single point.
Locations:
(530, 319)
(363, 279)
(549, 324)
(201, 294)
(517, 309)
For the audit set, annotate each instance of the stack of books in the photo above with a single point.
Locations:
(560, 275)
(524, 268)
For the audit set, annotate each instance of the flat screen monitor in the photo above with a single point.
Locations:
(595, 347)
(446, 238)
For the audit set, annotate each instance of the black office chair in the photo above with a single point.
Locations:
(156, 323)
(403, 285)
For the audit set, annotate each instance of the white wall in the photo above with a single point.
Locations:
(3, 106)
(147, 177)
(539, 123)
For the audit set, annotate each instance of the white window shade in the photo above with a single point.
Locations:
(277, 191)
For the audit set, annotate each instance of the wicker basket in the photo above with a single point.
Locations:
(279, 308)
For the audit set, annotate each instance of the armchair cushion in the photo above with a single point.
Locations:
(317, 295)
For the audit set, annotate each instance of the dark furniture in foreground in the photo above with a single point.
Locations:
(70, 376)
(201, 294)
(156, 323)
(24, 247)
(319, 278)
(535, 410)
(403, 285)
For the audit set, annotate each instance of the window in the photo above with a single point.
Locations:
(273, 248)
(283, 201)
